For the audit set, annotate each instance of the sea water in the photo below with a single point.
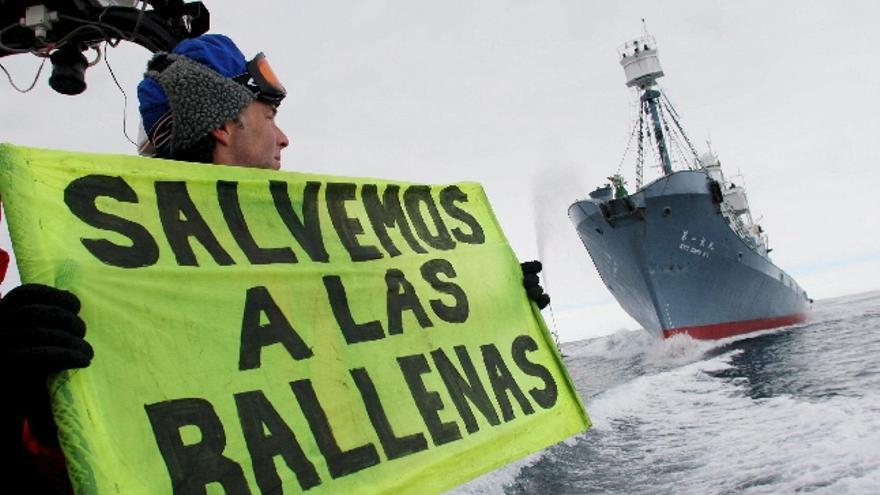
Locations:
(790, 410)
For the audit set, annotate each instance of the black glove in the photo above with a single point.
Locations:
(532, 283)
(40, 333)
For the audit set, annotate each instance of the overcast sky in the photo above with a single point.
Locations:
(528, 99)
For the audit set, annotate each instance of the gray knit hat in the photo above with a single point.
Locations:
(201, 100)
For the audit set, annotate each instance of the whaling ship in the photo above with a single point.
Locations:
(682, 254)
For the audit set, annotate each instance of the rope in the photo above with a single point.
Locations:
(674, 137)
(124, 97)
(629, 143)
(33, 83)
(665, 103)
(640, 161)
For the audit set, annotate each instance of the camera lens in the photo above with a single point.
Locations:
(68, 70)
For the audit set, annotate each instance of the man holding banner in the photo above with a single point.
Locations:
(205, 103)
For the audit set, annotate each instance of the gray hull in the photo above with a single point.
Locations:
(673, 262)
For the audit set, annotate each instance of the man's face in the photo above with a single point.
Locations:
(255, 140)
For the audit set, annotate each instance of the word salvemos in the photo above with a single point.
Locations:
(181, 220)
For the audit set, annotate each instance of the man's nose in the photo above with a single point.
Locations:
(281, 138)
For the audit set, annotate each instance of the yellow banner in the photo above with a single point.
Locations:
(266, 332)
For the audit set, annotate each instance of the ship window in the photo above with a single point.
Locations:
(666, 211)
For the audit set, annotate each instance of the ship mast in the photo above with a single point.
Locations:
(642, 69)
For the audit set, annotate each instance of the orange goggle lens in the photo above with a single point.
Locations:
(270, 87)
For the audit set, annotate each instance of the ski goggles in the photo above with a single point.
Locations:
(261, 79)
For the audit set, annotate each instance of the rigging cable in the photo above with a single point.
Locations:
(33, 83)
(137, 24)
(124, 97)
(666, 103)
(555, 333)
(674, 137)
(554, 330)
(679, 137)
(96, 26)
(629, 144)
(640, 160)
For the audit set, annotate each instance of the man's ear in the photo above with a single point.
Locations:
(222, 134)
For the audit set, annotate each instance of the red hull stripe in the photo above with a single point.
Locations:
(731, 328)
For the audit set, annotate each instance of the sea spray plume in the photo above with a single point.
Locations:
(559, 249)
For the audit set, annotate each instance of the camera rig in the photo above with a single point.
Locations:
(63, 29)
